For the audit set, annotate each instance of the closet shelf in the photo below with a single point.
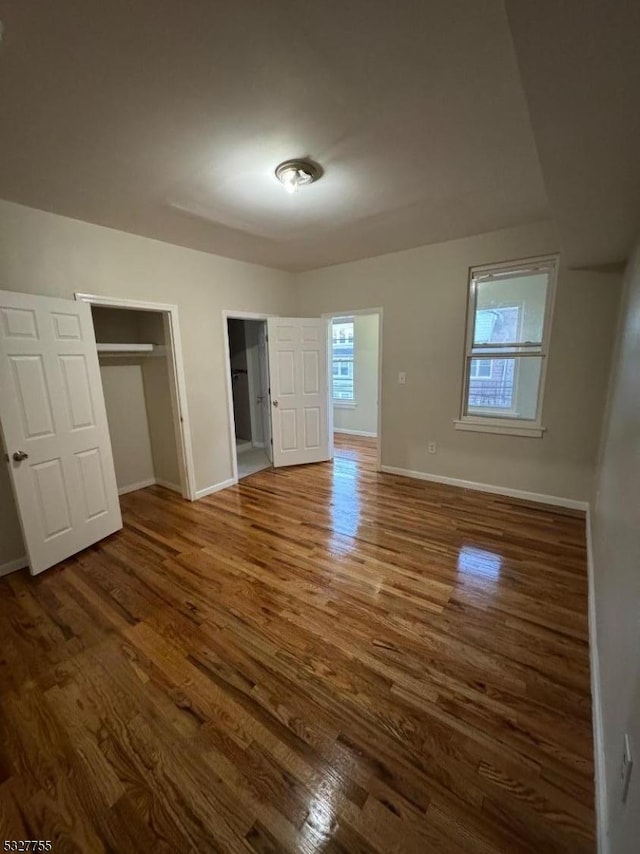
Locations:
(131, 349)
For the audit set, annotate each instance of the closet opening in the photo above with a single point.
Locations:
(142, 381)
(248, 368)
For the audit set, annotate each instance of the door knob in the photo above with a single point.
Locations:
(275, 403)
(18, 456)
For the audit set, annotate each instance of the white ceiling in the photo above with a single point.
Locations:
(168, 118)
(580, 66)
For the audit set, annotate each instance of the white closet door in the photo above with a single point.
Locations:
(54, 427)
(299, 390)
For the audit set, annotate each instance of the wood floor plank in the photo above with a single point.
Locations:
(319, 658)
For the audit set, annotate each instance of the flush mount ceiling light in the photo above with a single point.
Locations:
(297, 173)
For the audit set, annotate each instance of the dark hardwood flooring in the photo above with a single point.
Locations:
(319, 659)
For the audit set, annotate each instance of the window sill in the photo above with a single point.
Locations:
(344, 404)
(533, 432)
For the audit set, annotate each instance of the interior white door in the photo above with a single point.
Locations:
(54, 427)
(299, 390)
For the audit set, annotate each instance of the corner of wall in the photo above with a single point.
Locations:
(601, 806)
(614, 585)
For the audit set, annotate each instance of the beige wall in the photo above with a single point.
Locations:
(424, 294)
(42, 253)
(126, 326)
(616, 551)
(116, 326)
(363, 418)
(128, 427)
(164, 449)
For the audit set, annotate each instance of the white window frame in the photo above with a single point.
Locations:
(345, 403)
(496, 421)
(477, 376)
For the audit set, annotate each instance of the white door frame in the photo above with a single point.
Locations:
(229, 314)
(177, 389)
(263, 382)
(379, 311)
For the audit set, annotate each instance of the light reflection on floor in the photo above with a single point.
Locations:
(345, 502)
(320, 824)
(481, 563)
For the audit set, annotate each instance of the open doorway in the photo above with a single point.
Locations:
(140, 362)
(249, 376)
(356, 356)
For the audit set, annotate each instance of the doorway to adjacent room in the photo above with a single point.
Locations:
(249, 369)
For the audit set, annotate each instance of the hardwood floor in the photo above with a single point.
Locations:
(319, 659)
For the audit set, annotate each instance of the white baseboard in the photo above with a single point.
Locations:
(13, 565)
(554, 500)
(258, 445)
(167, 485)
(209, 490)
(131, 487)
(152, 481)
(355, 432)
(602, 817)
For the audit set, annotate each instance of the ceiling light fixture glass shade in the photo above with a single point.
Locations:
(297, 173)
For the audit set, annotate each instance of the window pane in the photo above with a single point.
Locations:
(508, 390)
(510, 310)
(481, 368)
(342, 353)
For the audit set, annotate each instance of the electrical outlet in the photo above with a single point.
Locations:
(402, 378)
(626, 768)
(432, 447)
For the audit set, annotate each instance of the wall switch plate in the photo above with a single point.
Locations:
(626, 768)
(402, 378)
(432, 447)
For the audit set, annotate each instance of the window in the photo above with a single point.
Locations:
(491, 381)
(342, 359)
(507, 346)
